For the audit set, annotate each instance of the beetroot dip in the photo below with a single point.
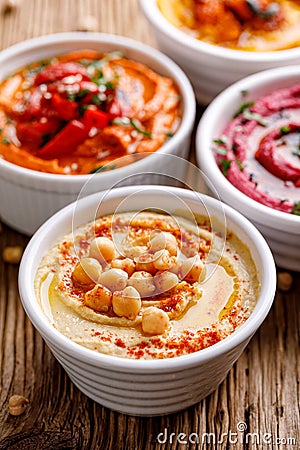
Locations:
(259, 149)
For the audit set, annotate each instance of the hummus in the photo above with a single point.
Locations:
(251, 25)
(259, 150)
(81, 112)
(152, 286)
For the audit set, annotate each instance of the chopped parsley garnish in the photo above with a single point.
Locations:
(296, 152)
(220, 151)
(134, 123)
(243, 108)
(82, 109)
(96, 100)
(102, 169)
(244, 93)
(225, 165)
(34, 70)
(264, 13)
(121, 121)
(169, 134)
(1, 129)
(6, 141)
(240, 164)
(253, 116)
(221, 141)
(136, 126)
(82, 94)
(285, 130)
(296, 209)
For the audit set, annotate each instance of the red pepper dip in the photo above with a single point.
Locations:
(78, 113)
(259, 150)
(147, 286)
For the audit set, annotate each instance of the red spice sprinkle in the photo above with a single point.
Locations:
(120, 343)
(96, 333)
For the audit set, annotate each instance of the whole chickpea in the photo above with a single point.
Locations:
(165, 281)
(99, 298)
(126, 264)
(114, 279)
(175, 268)
(127, 303)
(143, 282)
(163, 241)
(145, 263)
(162, 260)
(102, 249)
(154, 321)
(134, 252)
(191, 269)
(87, 271)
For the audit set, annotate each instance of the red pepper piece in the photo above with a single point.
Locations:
(59, 71)
(66, 141)
(95, 118)
(35, 133)
(64, 109)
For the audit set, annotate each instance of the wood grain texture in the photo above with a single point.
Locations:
(261, 391)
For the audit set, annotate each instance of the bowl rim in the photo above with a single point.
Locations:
(206, 159)
(178, 76)
(58, 340)
(166, 28)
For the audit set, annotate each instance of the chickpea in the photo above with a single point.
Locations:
(143, 282)
(127, 303)
(12, 254)
(285, 281)
(17, 405)
(191, 269)
(154, 321)
(114, 279)
(134, 252)
(175, 268)
(164, 241)
(102, 249)
(87, 271)
(165, 281)
(162, 260)
(99, 298)
(125, 264)
(145, 263)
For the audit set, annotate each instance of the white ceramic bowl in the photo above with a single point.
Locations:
(146, 387)
(27, 197)
(210, 68)
(281, 230)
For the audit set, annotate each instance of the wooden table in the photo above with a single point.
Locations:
(261, 392)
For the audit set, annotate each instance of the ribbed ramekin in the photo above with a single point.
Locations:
(146, 387)
(210, 68)
(27, 197)
(281, 230)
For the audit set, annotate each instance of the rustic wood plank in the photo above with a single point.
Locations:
(261, 391)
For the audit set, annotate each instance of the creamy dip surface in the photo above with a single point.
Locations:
(85, 112)
(250, 25)
(152, 286)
